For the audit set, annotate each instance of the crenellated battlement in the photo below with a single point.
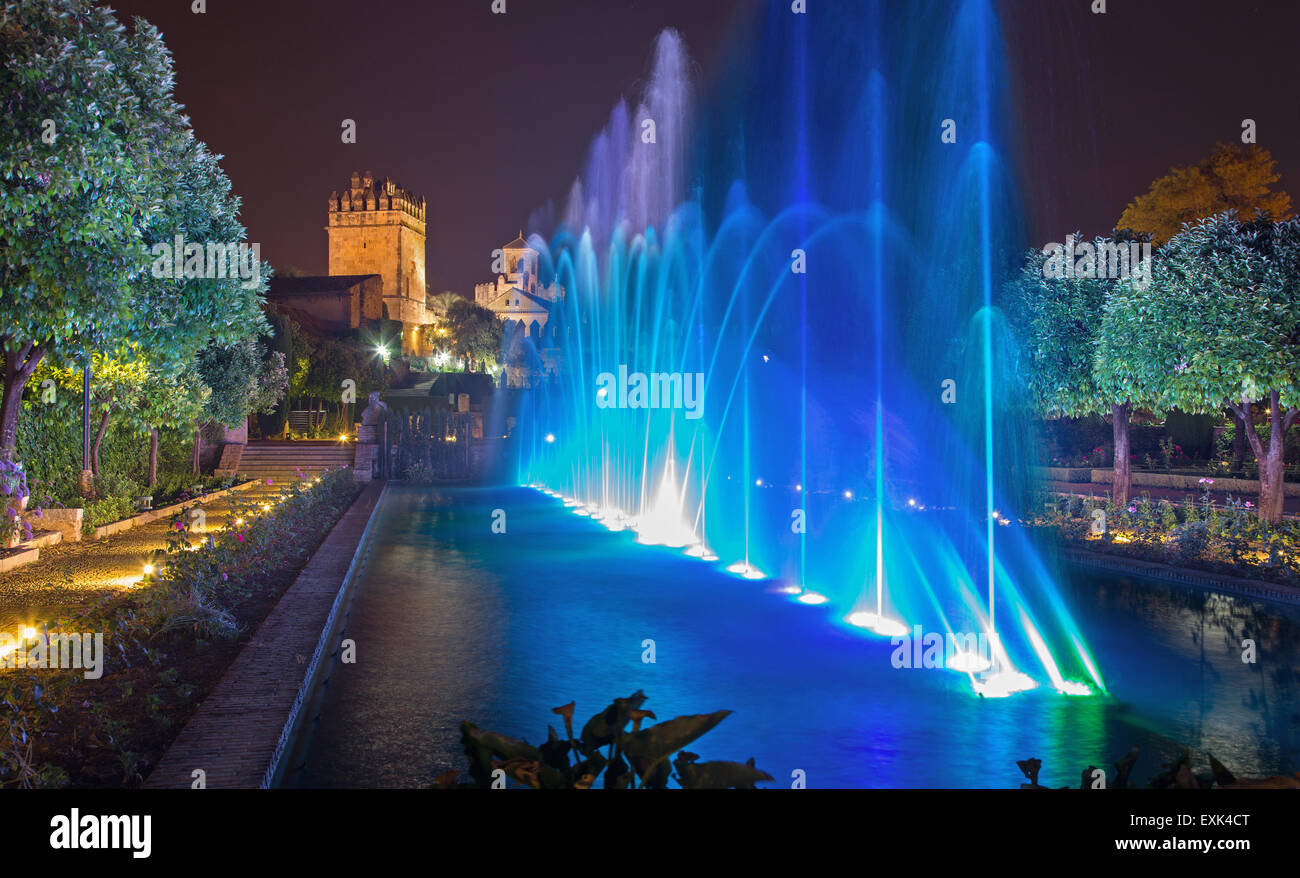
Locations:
(377, 227)
(365, 193)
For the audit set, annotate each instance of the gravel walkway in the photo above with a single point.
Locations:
(70, 575)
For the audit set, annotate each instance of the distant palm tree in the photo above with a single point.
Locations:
(442, 302)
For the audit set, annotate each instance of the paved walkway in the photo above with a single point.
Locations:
(71, 575)
(239, 728)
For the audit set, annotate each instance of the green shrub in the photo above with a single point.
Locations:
(1191, 541)
(106, 511)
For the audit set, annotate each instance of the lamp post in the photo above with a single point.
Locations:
(84, 483)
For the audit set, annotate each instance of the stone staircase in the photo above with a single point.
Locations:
(279, 460)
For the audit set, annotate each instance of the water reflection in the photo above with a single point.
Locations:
(454, 622)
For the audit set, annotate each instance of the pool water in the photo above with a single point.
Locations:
(454, 622)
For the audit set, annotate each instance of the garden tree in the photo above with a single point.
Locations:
(1058, 321)
(1236, 178)
(475, 333)
(80, 123)
(1126, 358)
(117, 382)
(1232, 178)
(442, 302)
(101, 166)
(172, 396)
(242, 378)
(1223, 324)
(321, 364)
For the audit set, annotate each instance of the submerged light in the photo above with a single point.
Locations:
(747, 570)
(882, 625)
(1003, 683)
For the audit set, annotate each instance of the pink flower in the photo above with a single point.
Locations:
(270, 482)
(1250, 505)
(239, 537)
(1132, 509)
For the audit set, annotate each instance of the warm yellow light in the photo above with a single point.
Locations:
(29, 633)
(148, 570)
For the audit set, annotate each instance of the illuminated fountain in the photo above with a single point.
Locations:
(806, 239)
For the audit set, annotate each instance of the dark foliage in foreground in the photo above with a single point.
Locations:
(627, 759)
(1176, 775)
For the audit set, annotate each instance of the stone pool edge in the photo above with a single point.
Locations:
(241, 732)
(1203, 579)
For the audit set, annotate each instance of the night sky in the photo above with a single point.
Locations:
(489, 116)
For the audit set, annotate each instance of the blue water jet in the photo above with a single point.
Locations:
(801, 237)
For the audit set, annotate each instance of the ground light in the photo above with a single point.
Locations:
(1003, 684)
(701, 551)
(1059, 683)
(882, 625)
(747, 570)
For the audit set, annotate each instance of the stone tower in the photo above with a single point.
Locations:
(377, 227)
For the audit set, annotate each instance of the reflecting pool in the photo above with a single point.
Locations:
(454, 622)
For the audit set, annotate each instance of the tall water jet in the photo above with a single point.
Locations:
(831, 282)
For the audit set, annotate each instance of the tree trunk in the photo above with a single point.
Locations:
(1238, 441)
(19, 365)
(195, 456)
(153, 457)
(99, 437)
(1272, 459)
(1123, 461)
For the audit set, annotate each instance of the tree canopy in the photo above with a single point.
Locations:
(100, 166)
(1239, 178)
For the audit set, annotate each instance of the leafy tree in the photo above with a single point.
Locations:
(80, 173)
(321, 364)
(442, 302)
(84, 201)
(476, 333)
(1222, 328)
(243, 378)
(1059, 319)
(170, 398)
(1232, 178)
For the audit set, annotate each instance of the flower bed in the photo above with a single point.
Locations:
(167, 641)
(1195, 534)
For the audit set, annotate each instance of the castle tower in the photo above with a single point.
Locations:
(377, 227)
